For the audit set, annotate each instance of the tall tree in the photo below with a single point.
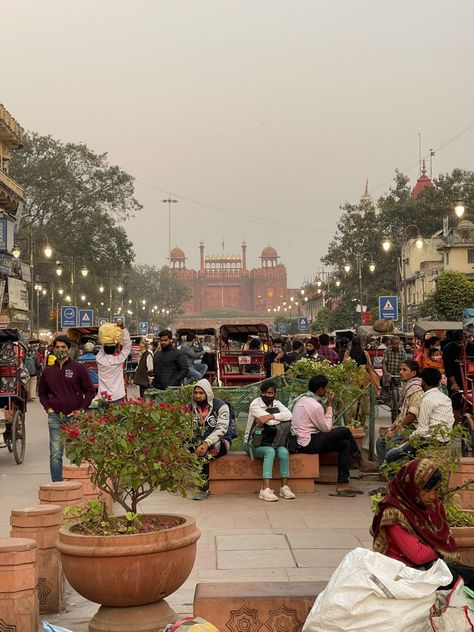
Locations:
(453, 293)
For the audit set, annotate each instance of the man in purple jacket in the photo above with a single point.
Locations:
(64, 387)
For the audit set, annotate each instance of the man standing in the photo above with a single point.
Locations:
(311, 346)
(170, 365)
(88, 359)
(392, 358)
(64, 387)
(276, 355)
(144, 373)
(325, 352)
(110, 361)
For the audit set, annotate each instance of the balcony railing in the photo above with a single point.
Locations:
(14, 187)
(13, 127)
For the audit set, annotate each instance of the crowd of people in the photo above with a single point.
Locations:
(69, 381)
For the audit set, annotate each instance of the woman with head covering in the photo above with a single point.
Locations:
(410, 523)
(410, 399)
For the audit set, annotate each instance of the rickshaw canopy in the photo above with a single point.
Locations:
(422, 327)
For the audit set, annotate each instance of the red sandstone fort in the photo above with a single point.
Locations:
(224, 282)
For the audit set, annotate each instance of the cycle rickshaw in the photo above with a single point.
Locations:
(13, 396)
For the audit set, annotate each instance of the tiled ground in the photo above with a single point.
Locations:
(243, 538)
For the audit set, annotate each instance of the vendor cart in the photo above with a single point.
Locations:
(13, 395)
(237, 362)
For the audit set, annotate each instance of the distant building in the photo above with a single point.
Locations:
(224, 282)
(451, 249)
(14, 276)
(424, 182)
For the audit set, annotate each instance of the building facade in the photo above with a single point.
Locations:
(225, 282)
(14, 276)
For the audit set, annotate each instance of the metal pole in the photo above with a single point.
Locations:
(405, 293)
(57, 317)
(32, 289)
(38, 311)
(169, 233)
(72, 263)
(359, 265)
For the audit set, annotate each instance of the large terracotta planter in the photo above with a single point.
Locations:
(129, 570)
(464, 537)
(464, 473)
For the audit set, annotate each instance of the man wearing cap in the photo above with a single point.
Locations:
(112, 354)
(88, 358)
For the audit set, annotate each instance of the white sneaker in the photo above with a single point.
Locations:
(285, 492)
(268, 495)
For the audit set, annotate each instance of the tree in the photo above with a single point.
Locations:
(75, 197)
(291, 324)
(80, 201)
(163, 293)
(453, 293)
(322, 321)
(345, 316)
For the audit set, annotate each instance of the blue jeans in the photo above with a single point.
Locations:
(56, 445)
(196, 372)
(268, 454)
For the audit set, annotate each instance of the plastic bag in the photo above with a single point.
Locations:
(110, 334)
(453, 610)
(370, 592)
(190, 624)
(53, 628)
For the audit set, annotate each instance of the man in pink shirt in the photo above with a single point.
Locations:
(317, 435)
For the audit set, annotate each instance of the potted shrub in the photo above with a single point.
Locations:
(133, 448)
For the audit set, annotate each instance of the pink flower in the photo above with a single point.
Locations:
(91, 439)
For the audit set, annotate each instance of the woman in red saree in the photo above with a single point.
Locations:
(410, 523)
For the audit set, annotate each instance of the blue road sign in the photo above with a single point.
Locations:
(143, 328)
(86, 317)
(102, 321)
(155, 330)
(388, 307)
(303, 323)
(281, 328)
(68, 316)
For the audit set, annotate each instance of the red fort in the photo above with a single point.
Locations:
(224, 282)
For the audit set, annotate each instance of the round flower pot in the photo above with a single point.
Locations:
(129, 570)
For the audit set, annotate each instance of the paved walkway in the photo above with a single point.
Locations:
(243, 538)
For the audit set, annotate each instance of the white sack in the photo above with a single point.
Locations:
(370, 592)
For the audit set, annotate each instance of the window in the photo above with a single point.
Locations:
(447, 258)
(470, 255)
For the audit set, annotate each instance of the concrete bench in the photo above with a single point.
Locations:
(236, 473)
(252, 606)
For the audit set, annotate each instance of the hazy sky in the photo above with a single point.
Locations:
(277, 110)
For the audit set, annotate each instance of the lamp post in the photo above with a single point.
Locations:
(169, 201)
(360, 258)
(387, 244)
(72, 268)
(48, 253)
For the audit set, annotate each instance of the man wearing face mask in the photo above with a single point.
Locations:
(64, 387)
(276, 355)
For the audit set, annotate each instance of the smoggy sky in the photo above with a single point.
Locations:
(269, 113)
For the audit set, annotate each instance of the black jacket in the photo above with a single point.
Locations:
(170, 368)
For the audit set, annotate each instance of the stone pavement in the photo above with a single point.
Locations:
(243, 538)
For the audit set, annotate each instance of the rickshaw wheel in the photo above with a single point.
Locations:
(467, 443)
(18, 436)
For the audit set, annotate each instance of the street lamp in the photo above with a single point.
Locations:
(169, 201)
(72, 265)
(360, 258)
(459, 208)
(101, 289)
(60, 291)
(16, 252)
(387, 244)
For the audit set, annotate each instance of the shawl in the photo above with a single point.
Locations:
(409, 388)
(401, 506)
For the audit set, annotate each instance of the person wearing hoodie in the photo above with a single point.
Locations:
(211, 428)
(266, 427)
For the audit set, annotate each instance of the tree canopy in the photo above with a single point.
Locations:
(78, 201)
